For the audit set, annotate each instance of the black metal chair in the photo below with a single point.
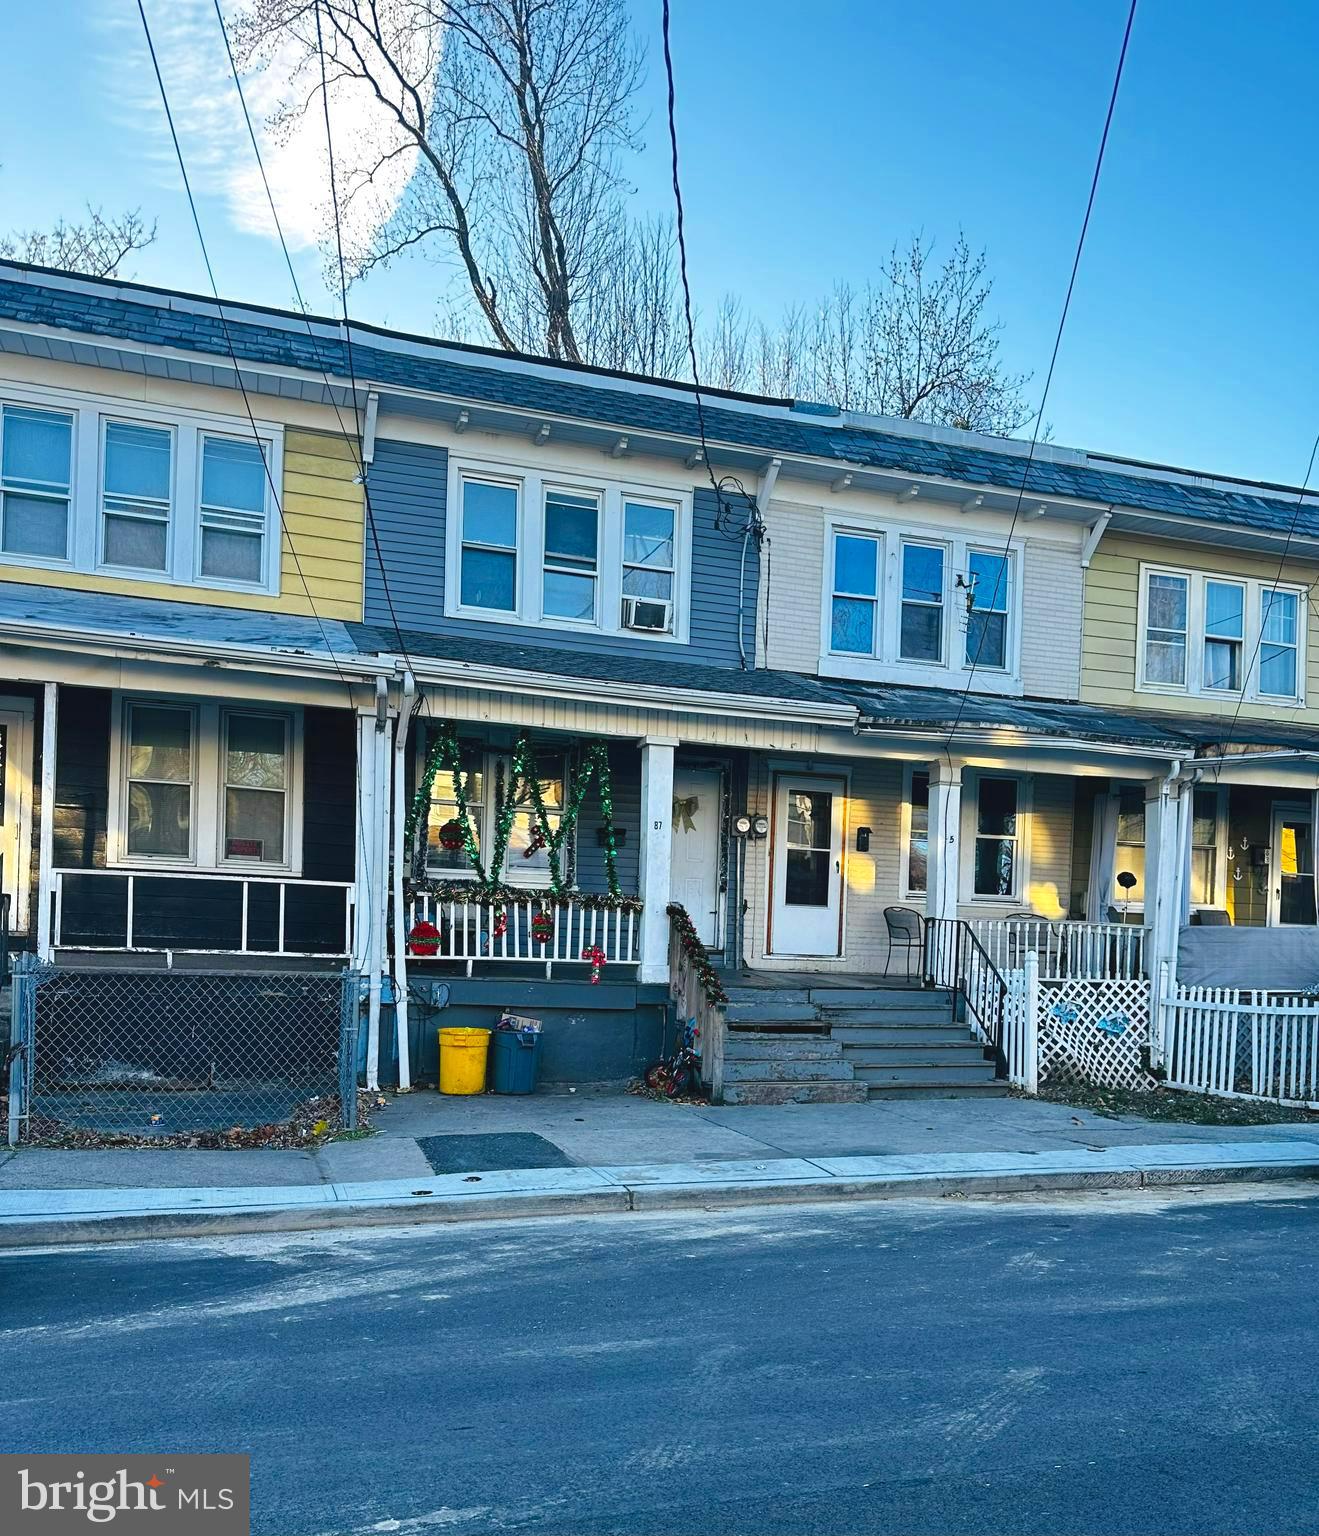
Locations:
(906, 930)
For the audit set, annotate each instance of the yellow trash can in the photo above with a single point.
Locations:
(462, 1059)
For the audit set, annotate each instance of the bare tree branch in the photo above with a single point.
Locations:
(97, 246)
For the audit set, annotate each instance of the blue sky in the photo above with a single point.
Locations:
(814, 136)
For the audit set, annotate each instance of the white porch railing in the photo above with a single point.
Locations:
(83, 924)
(1067, 951)
(470, 931)
(1254, 1045)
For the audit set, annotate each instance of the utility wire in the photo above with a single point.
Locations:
(1053, 360)
(229, 344)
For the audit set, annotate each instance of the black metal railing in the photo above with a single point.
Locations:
(955, 958)
(4, 937)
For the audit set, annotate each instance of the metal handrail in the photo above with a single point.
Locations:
(4, 937)
(955, 958)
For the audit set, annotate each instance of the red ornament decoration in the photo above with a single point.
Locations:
(423, 939)
(501, 926)
(542, 927)
(596, 956)
(451, 836)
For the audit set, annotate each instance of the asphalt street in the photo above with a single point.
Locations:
(1119, 1363)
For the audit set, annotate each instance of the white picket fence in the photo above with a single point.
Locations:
(501, 932)
(1066, 951)
(1252, 1045)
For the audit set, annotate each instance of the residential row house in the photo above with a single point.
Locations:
(284, 620)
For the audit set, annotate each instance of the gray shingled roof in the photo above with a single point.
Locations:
(132, 314)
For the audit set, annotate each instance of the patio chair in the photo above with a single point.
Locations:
(906, 930)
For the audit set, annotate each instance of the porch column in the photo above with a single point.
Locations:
(656, 855)
(46, 832)
(1167, 853)
(943, 873)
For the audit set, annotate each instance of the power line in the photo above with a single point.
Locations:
(229, 343)
(1053, 360)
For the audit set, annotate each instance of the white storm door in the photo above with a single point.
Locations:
(807, 866)
(697, 820)
(15, 807)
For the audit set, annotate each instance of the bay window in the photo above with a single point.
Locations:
(36, 451)
(136, 491)
(854, 624)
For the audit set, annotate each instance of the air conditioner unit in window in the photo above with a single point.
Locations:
(650, 613)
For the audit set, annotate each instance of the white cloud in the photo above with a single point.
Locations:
(216, 147)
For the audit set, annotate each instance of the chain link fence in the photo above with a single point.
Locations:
(161, 1053)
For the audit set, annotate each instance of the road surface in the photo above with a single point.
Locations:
(1121, 1363)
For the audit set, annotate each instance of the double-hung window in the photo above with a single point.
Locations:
(1129, 856)
(443, 812)
(1279, 643)
(137, 477)
(35, 482)
(233, 510)
(917, 852)
(854, 614)
(989, 580)
(572, 556)
(921, 637)
(649, 564)
(256, 783)
(1167, 599)
(1204, 848)
(160, 766)
(485, 779)
(997, 838)
(490, 517)
(1225, 633)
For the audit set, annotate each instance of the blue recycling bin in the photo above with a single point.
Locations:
(516, 1060)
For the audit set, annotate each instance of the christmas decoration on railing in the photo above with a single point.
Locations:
(522, 791)
(696, 954)
(595, 956)
(501, 926)
(542, 927)
(475, 894)
(423, 938)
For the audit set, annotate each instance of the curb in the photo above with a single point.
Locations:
(617, 1197)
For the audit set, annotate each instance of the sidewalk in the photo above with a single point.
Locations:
(452, 1159)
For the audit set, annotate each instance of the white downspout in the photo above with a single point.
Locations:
(375, 845)
(400, 926)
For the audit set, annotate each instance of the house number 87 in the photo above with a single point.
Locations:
(659, 826)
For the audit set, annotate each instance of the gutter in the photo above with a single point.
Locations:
(993, 736)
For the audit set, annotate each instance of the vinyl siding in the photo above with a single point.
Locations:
(409, 486)
(1112, 617)
(321, 543)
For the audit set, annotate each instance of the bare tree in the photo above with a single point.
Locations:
(631, 318)
(515, 112)
(97, 246)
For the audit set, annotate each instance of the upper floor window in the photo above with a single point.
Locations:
(855, 607)
(922, 602)
(988, 586)
(1206, 634)
(167, 493)
(529, 549)
(36, 477)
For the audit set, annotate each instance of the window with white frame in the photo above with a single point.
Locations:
(854, 609)
(1206, 834)
(205, 785)
(989, 597)
(536, 547)
(1208, 838)
(485, 778)
(36, 480)
(1208, 634)
(997, 857)
(916, 852)
(921, 620)
(89, 483)
(1129, 854)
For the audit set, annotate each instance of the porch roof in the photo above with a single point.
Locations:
(898, 707)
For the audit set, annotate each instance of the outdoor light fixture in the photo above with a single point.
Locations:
(863, 839)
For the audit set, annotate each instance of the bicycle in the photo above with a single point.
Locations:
(680, 1074)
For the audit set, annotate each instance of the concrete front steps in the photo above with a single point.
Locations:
(829, 1044)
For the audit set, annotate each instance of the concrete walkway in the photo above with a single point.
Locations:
(619, 1130)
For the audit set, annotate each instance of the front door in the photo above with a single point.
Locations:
(1291, 890)
(807, 866)
(15, 806)
(697, 820)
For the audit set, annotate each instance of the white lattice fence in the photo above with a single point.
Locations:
(1096, 1034)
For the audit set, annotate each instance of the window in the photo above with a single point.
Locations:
(1278, 648)
(1225, 630)
(997, 838)
(922, 603)
(136, 477)
(918, 833)
(490, 545)
(1166, 628)
(854, 624)
(256, 772)
(1204, 849)
(35, 480)
(989, 578)
(161, 776)
(572, 539)
(1130, 854)
(648, 560)
(524, 861)
(444, 809)
(233, 510)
